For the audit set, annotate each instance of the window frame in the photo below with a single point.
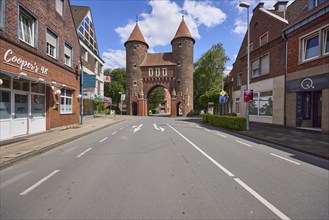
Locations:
(65, 98)
(96, 67)
(304, 41)
(257, 99)
(259, 67)
(239, 79)
(150, 71)
(157, 72)
(325, 43)
(23, 12)
(164, 72)
(71, 55)
(62, 13)
(55, 48)
(261, 37)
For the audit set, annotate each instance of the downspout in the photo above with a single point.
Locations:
(284, 36)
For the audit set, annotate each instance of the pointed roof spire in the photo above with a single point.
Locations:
(183, 31)
(136, 35)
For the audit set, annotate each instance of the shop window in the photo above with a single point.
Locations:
(38, 88)
(37, 105)
(66, 101)
(262, 104)
(2, 14)
(51, 40)
(26, 27)
(164, 72)
(307, 103)
(310, 47)
(150, 72)
(60, 7)
(21, 84)
(68, 55)
(5, 104)
(5, 81)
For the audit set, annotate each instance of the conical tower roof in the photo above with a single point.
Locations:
(136, 35)
(183, 31)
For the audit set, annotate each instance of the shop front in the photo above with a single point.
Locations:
(308, 103)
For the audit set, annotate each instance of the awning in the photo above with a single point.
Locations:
(21, 76)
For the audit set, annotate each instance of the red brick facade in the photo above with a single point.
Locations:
(68, 77)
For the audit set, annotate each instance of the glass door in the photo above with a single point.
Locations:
(19, 125)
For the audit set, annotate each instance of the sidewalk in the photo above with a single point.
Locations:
(17, 149)
(13, 150)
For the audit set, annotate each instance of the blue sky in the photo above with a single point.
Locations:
(210, 22)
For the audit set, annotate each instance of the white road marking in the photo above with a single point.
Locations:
(13, 179)
(38, 183)
(137, 128)
(158, 128)
(114, 132)
(262, 200)
(291, 161)
(204, 154)
(221, 135)
(244, 143)
(84, 152)
(102, 140)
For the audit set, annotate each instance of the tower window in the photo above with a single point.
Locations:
(178, 63)
(180, 44)
(134, 83)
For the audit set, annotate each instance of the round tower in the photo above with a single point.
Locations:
(136, 50)
(182, 49)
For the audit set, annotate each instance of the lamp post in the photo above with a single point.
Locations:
(247, 6)
(121, 102)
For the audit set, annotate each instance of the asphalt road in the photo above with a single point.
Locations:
(164, 168)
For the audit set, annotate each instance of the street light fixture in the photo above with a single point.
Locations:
(247, 6)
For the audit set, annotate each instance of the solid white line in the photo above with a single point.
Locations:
(38, 183)
(114, 132)
(84, 152)
(244, 143)
(102, 140)
(291, 161)
(262, 200)
(204, 154)
(221, 135)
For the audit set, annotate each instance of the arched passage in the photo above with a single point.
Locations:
(179, 109)
(158, 100)
(134, 108)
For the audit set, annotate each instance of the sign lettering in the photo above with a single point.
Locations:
(20, 63)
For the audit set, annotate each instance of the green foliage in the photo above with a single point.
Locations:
(212, 95)
(155, 98)
(118, 84)
(208, 71)
(229, 122)
(99, 105)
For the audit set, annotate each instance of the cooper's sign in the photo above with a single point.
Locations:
(20, 63)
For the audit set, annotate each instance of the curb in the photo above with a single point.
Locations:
(11, 162)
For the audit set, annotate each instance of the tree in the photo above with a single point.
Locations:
(208, 71)
(117, 84)
(156, 97)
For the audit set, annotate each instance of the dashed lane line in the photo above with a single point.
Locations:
(84, 152)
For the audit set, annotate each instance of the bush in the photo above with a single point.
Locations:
(229, 122)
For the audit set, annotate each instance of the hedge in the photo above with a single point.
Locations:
(229, 122)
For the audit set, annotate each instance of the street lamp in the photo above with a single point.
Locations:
(247, 6)
(121, 101)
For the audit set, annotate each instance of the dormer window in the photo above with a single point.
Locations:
(164, 71)
(150, 72)
(157, 71)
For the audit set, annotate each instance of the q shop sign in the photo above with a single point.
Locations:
(11, 59)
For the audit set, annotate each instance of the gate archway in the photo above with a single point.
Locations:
(134, 108)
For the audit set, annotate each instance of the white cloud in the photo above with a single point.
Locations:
(114, 59)
(240, 26)
(160, 25)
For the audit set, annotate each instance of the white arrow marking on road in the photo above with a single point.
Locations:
(158, 129)
(137, 128)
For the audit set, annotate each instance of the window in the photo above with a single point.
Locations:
(310, 47)
(262, 104)
(2, 14)
(68, 54)
(66, 101)
(263, 39)
(261, 66)
(157, 71)
(96, 67)
(326, 42)
(60, 7)
(5, 104)
(85, 55)
(87, 32)
(51, 39)
(37, 105)
(26, 27)
(237, 105)
(314, 3)
(239, 79)
(150, 72)
(164, 72)
(134, 83)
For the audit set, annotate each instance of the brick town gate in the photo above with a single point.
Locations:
(173, 71)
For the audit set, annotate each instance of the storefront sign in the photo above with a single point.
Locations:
(20, 63)
(312, 83)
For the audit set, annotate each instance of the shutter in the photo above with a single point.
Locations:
(51, 38)
(59, 6)
(265, 65)
(67, 50)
